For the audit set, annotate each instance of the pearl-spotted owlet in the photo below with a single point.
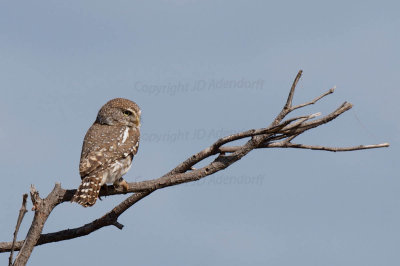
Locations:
(108, 149)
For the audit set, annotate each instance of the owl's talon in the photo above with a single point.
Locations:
(121, 183)
(124, 185)
(105, 187)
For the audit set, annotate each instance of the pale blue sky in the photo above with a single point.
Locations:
(60, 61)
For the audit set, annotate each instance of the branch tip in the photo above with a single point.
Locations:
(315, 115)
(21, 215)
(118, 225)
(34, 197)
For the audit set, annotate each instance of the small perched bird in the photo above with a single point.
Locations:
(108, 149)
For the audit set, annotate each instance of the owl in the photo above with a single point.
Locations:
(108, 149)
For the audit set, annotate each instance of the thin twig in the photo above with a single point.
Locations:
(286, 109)
(324, 148)
(300, 122)
(292, 89)
(21, 215)
(315, 100)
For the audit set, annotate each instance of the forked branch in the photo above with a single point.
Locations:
(278, 134)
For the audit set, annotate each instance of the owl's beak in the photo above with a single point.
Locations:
(137, 120)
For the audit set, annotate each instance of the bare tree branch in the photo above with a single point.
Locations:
(315, 100)
(278, 135)
(42, 208)
(324, 148)
(21, 215)
(108, 219)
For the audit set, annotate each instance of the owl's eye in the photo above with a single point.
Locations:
(127, 112)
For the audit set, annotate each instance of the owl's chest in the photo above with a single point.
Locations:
(116, 170)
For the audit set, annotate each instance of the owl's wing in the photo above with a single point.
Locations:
(94, 161)
(103, 145)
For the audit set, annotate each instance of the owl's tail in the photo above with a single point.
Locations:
(88, 192)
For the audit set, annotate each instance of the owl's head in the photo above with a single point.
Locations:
(119, 111)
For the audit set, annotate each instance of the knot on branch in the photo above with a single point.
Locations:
(36, 200)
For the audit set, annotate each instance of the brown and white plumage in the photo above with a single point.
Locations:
(108, 149)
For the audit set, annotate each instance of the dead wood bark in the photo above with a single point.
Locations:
(279, 134)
